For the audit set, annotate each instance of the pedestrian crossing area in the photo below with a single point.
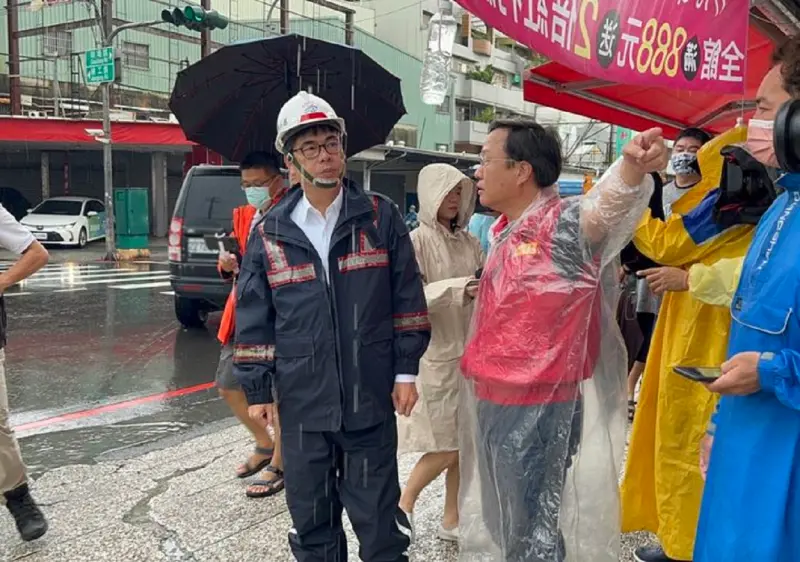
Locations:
(77, 278)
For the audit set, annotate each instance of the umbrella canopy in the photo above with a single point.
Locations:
(229, 101)
(641, 107)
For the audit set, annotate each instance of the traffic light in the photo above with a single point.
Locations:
(195, 18)
(207, 19)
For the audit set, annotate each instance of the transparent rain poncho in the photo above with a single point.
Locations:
(543, 411)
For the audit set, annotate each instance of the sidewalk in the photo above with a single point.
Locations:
(182, 503)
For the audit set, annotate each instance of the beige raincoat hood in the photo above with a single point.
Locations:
(447, 260)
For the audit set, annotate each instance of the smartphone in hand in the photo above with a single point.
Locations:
(699, 374)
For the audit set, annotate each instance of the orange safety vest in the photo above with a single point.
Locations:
(242, 219)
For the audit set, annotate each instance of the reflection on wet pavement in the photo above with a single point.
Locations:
(96, 363)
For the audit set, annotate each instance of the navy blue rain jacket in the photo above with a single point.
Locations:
(328, 352)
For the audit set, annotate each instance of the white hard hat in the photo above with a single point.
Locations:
(302, 111)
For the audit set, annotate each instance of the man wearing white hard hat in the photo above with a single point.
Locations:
(331, 324)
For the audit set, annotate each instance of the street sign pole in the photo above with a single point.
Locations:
(108, 175)
(100, 70)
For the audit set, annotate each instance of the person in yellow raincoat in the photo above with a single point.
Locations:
(662, 486)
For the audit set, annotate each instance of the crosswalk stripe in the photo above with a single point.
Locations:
(153, 277)
(142, 285)
(58, 266)
(76, 289)
(76, 277)
(16, 294)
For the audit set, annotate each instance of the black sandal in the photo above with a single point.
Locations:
(272, 486)
(631, 409)
(252, 470)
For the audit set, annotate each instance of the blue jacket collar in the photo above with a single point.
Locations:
(790, 182)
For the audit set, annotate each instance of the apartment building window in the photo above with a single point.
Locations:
(136, 55)
(56, 43)
(444, 107)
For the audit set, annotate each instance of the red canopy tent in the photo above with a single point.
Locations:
(641, 107)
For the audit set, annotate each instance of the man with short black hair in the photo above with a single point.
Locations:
(684, 164)
(263, 186)
(30, 521)
(538, 327)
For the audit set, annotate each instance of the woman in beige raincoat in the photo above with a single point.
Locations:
(448, 258)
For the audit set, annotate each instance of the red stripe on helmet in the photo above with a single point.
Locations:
(314, 115)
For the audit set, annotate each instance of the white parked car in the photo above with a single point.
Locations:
(67, 221)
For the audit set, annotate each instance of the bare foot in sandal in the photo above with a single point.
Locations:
(271, 484)
(257, 462)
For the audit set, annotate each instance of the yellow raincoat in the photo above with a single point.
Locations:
(662, 486)
(715, 284)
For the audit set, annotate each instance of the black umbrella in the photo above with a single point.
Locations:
(229, 101)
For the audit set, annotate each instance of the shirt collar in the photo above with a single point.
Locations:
(305, 209)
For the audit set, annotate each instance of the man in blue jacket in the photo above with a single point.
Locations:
(331, 323)
(751, 502)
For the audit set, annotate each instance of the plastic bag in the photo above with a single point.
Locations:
(543, 410)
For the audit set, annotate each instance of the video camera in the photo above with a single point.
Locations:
(747, 188)
(787, 136)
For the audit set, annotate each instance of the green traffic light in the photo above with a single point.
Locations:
(194, 13)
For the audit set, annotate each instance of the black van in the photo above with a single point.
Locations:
(205, 206)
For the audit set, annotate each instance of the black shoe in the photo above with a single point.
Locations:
(31, 523)
(653, 554)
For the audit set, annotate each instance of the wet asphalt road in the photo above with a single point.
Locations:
(98, 368)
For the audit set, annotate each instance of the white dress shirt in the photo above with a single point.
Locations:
(319, 228)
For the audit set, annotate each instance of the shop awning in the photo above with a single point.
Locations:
(641, 107)
(82, 132)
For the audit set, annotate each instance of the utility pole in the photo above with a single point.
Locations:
(284, 26)
(15, 91)
(205, 34)
(107, 25)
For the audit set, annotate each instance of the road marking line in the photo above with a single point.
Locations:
(150, 277)
(71, 290)
(17, 294)
(142, 285)
(167, 292)
(58, 267)
(115, 406)
(76, 277)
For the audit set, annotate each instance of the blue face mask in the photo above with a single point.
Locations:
(258, 197)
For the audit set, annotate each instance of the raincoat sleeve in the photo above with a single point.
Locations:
(681, 239)
(412, 329)
(715, 284)
(779, 373)
(446, 293)
(254, 348)
(610, 210)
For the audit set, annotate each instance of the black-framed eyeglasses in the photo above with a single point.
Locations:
(312, 150)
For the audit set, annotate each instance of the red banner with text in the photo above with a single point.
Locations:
(680, 44)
